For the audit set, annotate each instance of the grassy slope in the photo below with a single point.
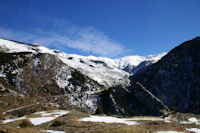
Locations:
(70, 123)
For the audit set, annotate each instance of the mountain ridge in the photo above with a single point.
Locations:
(91, 64)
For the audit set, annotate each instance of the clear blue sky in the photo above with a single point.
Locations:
(112, 28)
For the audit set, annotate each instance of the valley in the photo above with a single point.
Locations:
(46, 90)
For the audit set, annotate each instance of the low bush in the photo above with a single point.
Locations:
(25, 123)
(57, 123)
(99, 110)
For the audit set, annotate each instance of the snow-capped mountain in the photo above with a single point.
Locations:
(105, 71)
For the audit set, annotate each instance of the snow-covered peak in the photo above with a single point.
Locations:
(135, 60)
(105, 71)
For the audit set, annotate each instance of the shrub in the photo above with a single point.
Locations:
(25, 123)
(19, 113)
(99, 110)
(57, 123)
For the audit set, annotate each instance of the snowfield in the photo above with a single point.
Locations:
(45, 116)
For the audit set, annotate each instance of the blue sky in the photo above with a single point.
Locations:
(112, 28)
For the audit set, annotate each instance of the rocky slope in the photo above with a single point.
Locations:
(39, 75)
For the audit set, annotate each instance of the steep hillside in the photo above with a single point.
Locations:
(43, 75)
(175, 78)
(170, 84)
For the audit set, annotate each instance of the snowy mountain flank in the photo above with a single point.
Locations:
(35, 71)
(106, 71)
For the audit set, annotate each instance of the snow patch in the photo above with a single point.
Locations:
(193, 119)
(52, 131)
(40, 120)
(109, 119)
(168, 132)
(196, 130)
(46, 116)
(11, 120)
(2, 75)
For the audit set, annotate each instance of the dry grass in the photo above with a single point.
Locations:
(145, 127)
(70, 125)
(9, 129)
(33, 115)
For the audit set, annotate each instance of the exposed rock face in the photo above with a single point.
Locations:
(175, 78)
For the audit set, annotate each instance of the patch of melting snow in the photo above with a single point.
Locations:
(190, 121)
(11, 120)
(40, 120)
(45, 117)
(196, 130)
(168, 132)
(167, 119)
(109, 119)
(2, 75)
(193, 119)
(185, 122)
(52, 131)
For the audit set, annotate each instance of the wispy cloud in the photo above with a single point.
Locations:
(61, 35)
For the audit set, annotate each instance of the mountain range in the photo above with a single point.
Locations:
(132, 85)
